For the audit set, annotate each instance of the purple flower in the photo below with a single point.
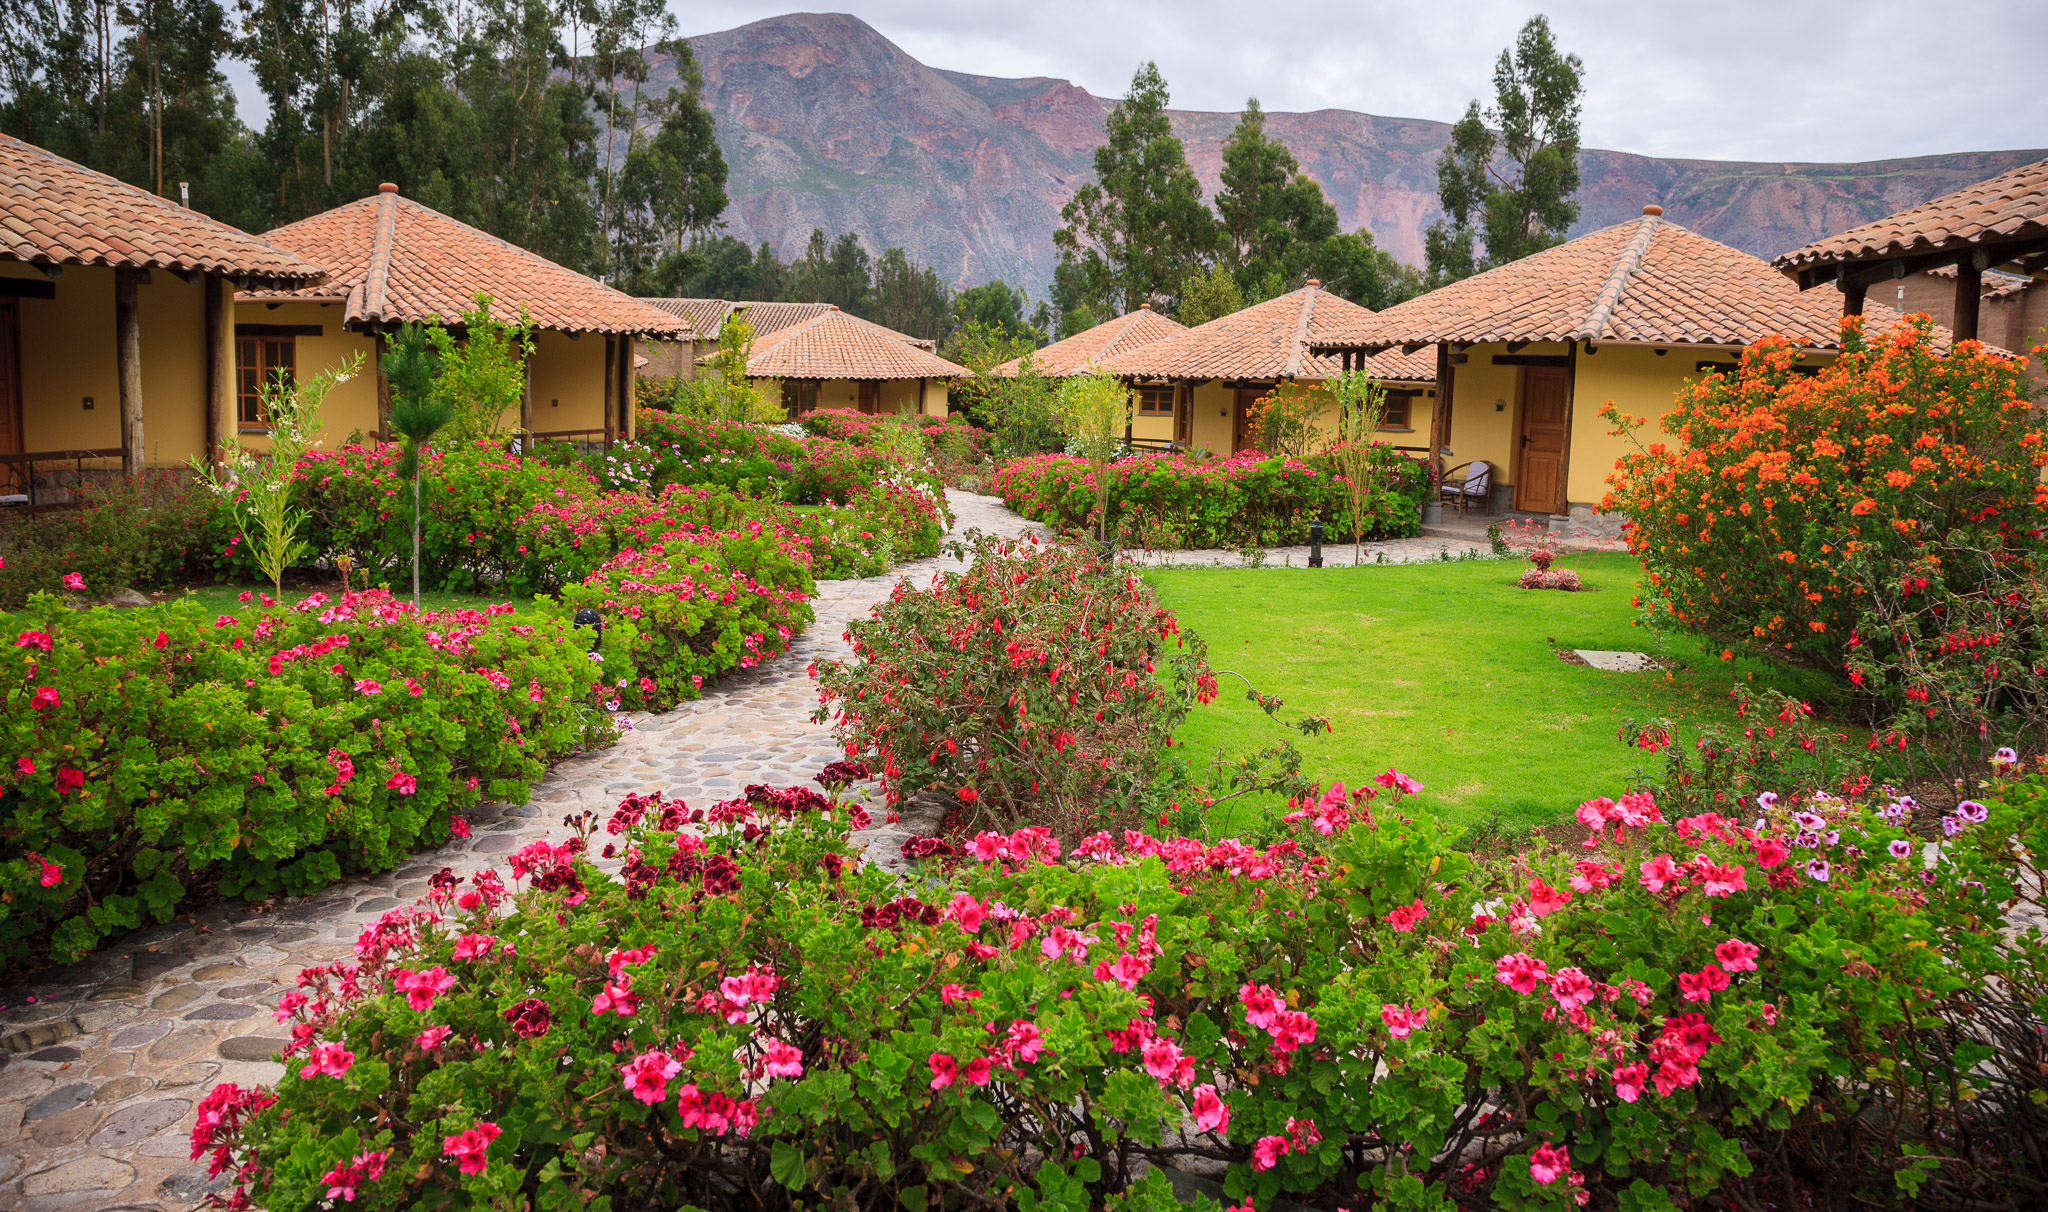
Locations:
(1831, 836)
(1809, 821)
(1817, 869)
(1909, 803)
(1950, 826)
(1807, 839)
(1900, 848)
(1767, 800)
(1971, 810)
(1893, 812)
(2006, 756)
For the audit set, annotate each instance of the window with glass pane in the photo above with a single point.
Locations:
(1155, 401)
(258, 360)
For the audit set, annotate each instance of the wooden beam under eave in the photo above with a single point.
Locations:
(629, 379)
(1446, 377)
(611, 387)
(128, 363)
(1852, 297)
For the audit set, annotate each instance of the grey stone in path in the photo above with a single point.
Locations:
(102, 1065)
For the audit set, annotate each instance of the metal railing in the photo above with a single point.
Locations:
(20, 477)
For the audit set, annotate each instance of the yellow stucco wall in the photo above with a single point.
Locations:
(1210, 428)
(899, 396)
(1638, 382)
(568, 383)
(1480, 430)
(351, 408)
(67, 354)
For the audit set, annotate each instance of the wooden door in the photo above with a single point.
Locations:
(870, 396)
(1242, 435)
(13, 476)
(1540, 486)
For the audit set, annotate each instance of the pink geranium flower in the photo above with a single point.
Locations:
(1400, 1020)
(1548, 1163)
(433, 1037)
(1721, 879)
(469, 1146)
(1571, 987)
(1261, 1005)
(1658, 872)
(1404, 918)
(1629, 1081)
(1268, 1151)
(646, 1075)
(1545, 900)
(944, 1069)
(45, 698)
(978, 1070)
(328, 1059)
(1212, 1114)
(617, 997)
(73, 581)
(1737, 956)
(402, 783)
(474, 946)
(1520, 972)
(52, 874)
(1701, 985)
(780, 1059)
(421, 988)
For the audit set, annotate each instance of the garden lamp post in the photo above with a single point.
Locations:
(1315, 543)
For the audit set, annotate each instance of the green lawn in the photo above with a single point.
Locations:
(1446, 672)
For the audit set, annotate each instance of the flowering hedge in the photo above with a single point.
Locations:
(1794, 1012)
(270, 750)
(1185, 501)
(1039, 685)
(1792, 497)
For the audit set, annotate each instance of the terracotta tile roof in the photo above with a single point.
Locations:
(1270, 340)
(765, 318)
(839, 345)
(704, 316)
(1647, 280)
(55, 212)
(1076, 354)
(2009, 208)
(1996, 285)
(394, 260)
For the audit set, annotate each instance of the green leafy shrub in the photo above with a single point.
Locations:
(128, 532)
(1040, 685)
(1185, 501)
(154, 751)
(1799, 1013)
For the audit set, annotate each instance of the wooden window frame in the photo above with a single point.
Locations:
(1156, 400)
(1404, 421)
(256, 358)
(794, 394)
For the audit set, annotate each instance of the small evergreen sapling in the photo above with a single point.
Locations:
(418, 412)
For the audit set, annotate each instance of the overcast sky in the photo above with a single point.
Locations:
(1719, 79)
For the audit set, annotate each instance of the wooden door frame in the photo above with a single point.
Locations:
(1564, 447)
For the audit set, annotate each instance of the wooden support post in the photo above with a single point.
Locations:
(1564, 453)
(1969, 294)
(922, 384)
(1852, 297)
(220, 353)
(381, 347)
(629, 380)
(1446, 375)
(611, 386)
(526, 400)
(128, 359)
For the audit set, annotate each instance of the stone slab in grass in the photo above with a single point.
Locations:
(1616, 662)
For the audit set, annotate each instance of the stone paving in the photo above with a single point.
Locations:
(102, 1064)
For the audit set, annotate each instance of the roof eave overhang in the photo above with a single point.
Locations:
(2025, 254)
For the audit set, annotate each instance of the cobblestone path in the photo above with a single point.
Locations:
(100, 1073)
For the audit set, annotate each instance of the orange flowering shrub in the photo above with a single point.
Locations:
(1797, 501)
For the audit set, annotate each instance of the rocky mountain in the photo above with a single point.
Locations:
(825, 123)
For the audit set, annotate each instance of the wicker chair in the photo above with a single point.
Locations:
(1476, 485)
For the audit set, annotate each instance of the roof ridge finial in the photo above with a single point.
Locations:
(1300, 343)
(1625, 266)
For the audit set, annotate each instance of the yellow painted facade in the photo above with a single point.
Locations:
(567, 378)
(67, 357)
(568, 382)
(898, 396)
(1213, 421)
(1487, 400)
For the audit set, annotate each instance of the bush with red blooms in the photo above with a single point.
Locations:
(1807, 516)
(1796, 1010)
(1041, 685)
(152, 752)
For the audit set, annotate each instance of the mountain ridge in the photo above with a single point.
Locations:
(826, 123)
